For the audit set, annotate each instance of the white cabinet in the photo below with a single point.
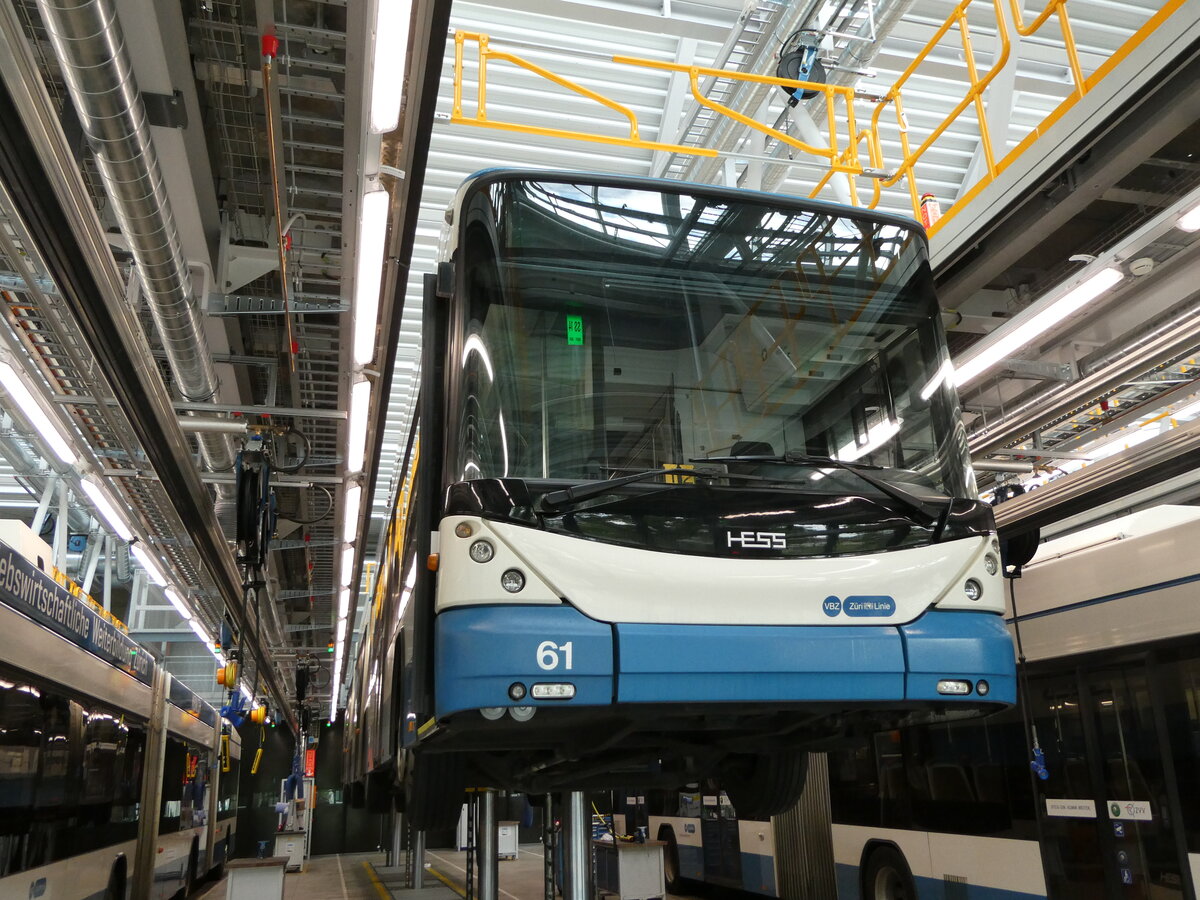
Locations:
(506, 843)
(506, 833)
(631, 871)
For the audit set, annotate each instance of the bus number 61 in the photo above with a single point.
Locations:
(548, 655)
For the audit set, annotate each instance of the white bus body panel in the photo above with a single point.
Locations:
(1002, 864)
(85, 875)
(27, 646)
(1119, 583)
(612, 583)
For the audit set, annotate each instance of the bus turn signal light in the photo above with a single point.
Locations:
(949, 686)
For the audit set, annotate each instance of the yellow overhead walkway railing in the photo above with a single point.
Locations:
(850, 150)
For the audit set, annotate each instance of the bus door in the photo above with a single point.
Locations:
(719, 838)
(1139, 786)
(1107, 825)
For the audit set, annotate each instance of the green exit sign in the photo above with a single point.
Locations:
(575, 330)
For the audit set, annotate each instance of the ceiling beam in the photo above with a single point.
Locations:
(586, 14)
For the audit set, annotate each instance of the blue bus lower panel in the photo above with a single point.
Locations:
(481, 651)
(956, 645)
(691, 862)
(929, 888)
(759, 663)
(758, 874)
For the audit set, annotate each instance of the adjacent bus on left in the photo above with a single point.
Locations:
(81, 783)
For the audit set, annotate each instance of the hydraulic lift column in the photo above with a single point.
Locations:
(489, 856)
(576, 849)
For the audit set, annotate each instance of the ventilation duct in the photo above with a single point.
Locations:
(98, 72)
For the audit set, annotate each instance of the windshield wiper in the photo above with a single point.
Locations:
(935, 512)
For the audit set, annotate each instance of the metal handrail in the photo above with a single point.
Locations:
(844, 153)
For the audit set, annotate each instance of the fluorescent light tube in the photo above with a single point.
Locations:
(200, 632)
(356, 426)
(341, 631)
(350, 511)
(19, 391)
(368, 273)
(343, 603)
(149, 563)
(347, 566)
(1190, 220)
(177, 602)
(389, 48)
(104, 506)
(1070, 302)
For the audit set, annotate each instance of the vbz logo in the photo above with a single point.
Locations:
(758, 540)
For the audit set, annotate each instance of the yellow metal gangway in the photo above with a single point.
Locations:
(852, 150)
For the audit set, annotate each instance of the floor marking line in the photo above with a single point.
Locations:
(447, 882)
(342, 876)
(442, 859)
(384, 893)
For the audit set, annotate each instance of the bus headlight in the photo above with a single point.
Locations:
(464, 529)
(973, 589)
(522, 713)
(991, 564)
(482, 551)
(512, 580)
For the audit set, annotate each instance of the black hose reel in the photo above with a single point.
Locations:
(255, 505)
(798, 61)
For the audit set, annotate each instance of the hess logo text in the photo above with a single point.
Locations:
(757, 540)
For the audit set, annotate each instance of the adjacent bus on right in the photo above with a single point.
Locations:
(1111, 714)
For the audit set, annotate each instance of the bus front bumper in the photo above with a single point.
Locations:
(503, 656)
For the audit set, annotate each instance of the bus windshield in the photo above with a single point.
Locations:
(606, 330)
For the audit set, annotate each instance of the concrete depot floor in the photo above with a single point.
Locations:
(520, 878)
(363, 876)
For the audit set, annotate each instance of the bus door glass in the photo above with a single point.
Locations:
(719, 836)
(1071, 850)
(1136, 805)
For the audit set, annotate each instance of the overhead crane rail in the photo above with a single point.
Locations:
(851, 151)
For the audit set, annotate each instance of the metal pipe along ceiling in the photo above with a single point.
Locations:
(98, 71)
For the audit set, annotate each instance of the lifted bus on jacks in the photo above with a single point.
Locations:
(690, 496)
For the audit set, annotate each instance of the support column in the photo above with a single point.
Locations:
(151, 796)
(109, 550)
(396, 854)
(576, 848)
(62, 526)
(489, 857)
(549, 846)
(418, 872)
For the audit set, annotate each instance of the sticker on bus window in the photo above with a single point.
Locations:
(1136, 810)
(575, 331)
(1071, 808)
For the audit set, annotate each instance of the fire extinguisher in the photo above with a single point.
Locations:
(930, 210)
